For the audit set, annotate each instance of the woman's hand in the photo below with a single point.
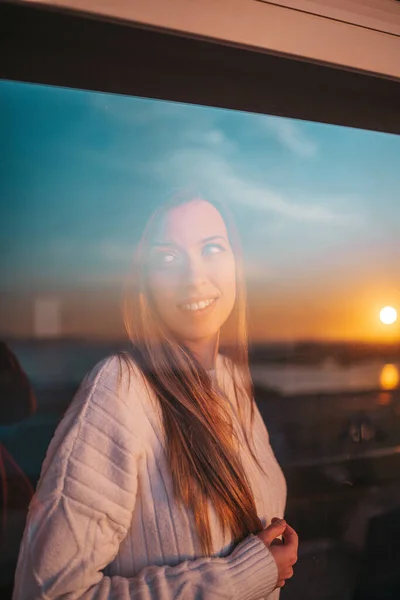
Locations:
(284, 551)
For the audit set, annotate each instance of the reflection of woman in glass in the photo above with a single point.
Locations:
(160, 481)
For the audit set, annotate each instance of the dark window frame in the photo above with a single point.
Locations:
(40, 44)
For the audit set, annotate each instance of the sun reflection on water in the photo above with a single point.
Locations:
(389, 377)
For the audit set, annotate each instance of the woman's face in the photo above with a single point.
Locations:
(191, 271)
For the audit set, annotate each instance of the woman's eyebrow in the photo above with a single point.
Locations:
(213, 238)
(163, 245)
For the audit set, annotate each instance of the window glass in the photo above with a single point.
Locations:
(318, 211)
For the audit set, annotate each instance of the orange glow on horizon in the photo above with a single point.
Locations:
(389, 377)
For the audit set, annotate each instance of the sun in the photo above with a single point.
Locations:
(388, 315)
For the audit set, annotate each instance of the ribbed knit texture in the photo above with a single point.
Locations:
(104, 523)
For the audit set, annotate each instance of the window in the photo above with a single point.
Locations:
(93, 139)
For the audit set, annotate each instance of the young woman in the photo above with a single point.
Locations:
(160, 482)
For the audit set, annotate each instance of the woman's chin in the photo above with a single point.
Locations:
(197, 334)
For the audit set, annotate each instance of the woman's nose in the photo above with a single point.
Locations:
(195, 273)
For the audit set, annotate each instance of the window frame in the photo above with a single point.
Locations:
(41, 44)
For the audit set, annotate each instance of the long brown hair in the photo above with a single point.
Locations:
(200, 439)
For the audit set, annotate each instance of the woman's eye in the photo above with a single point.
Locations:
(213, 249)
(168, 258)
(162, 259)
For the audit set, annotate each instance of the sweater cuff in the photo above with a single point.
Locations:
(253, 569)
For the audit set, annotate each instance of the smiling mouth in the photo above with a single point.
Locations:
(198, 307)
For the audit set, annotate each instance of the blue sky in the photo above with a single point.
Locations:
(317, 205)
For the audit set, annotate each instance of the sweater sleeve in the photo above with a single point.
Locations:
(82, 511)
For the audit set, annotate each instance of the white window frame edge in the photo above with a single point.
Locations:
(265, 26)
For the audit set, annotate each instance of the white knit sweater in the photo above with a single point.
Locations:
(104, 523)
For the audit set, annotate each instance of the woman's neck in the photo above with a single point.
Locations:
(206, 351)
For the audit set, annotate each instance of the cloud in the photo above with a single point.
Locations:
(290, 135)
(202, 155)
(213, 172)
(153, 113)
(212, 136)
(165, 123)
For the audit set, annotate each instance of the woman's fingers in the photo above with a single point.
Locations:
(273, 531)
(291, 540)
(277, 542)
(289, 573)
(290, 536)
(282, 581)
(283, 551)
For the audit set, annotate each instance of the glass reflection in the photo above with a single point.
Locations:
(318, 341)
(389, 377)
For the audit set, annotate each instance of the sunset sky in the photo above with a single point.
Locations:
(318, 208)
